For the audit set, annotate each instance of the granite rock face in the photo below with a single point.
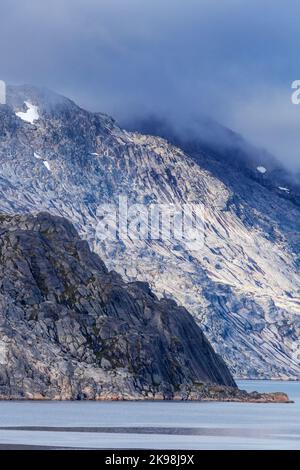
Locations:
(69, 329)
(242, 286)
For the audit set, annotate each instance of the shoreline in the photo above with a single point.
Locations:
(185, 393)
(265, 380)
(266, 398)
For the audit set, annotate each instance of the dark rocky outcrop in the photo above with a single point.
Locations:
(70, 329)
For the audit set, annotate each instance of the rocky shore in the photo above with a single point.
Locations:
(209, 393)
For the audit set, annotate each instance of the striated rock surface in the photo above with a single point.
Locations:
(242, 287)
(69, 329)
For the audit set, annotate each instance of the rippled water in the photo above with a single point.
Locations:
(159, 425)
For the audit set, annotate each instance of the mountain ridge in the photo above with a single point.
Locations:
(70, 328)
(243, 287)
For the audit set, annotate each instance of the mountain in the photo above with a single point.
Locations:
(242, 286)
(71, 329)
(217, 148)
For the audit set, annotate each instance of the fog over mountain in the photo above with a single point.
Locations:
(182, 60)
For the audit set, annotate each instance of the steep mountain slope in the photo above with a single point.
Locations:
(242, 286)
(69, 328)
(217, 149)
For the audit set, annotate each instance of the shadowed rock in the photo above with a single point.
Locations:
(71, 329)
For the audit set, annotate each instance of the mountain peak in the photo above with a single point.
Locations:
(103, 338)
(44, 98)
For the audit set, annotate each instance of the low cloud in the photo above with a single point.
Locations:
(232, 60)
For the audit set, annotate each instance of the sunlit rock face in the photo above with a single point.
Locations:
(242, 286)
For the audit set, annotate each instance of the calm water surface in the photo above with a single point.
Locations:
(156, 425)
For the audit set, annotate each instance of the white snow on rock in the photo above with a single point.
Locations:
(284, 189)
(3, 353)
(31, 114)
(47, 165)
(45, 162)
(261, 169)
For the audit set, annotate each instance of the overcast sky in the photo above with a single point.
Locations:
(233, 60)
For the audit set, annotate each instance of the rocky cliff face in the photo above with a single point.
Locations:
(242, 287)
(70, 329)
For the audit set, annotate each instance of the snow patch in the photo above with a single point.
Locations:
(261, 169)
(45, 162)
(31, 114)
(47, 165)
(3, 353)
(284, 189)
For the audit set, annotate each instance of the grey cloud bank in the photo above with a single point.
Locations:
(233, 60)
